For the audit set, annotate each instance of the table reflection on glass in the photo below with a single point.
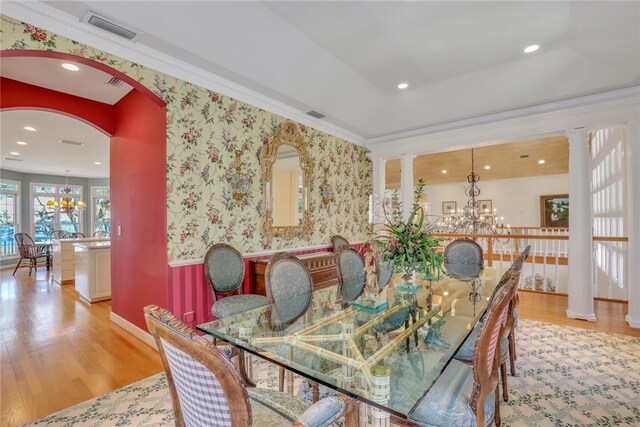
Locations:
(387, 359)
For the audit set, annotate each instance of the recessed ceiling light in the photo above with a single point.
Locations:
(444, 171)
(97, 163)
(531, 49)
(21, 143)
(403, 85)
(487, 167)
(541, 162)
(30, 128)
(14, 153)
(70, 67)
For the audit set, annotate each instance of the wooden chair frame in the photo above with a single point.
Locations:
(29, 250)
(164, 326)
(485, 383)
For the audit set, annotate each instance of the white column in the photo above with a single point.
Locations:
(406, 184)
(580, 228)
(632, 150)
(379, 185)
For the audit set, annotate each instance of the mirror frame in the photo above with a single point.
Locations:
(286, 134)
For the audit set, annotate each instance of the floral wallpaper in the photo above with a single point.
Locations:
(204, 129)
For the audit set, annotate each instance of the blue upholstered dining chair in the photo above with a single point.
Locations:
(289, 291)
(224, 270)
(463, 259)
(338, 241)
(384, 274)
(469, 395)
(207, 390)
(351, 275)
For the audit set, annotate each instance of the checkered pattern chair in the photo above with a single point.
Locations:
(469, 395)
(224, 270)
(207, 389)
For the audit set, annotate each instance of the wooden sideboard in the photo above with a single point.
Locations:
(321, 265)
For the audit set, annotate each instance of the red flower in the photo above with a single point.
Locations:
(394, 243)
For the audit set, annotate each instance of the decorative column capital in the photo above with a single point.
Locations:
(578, 134)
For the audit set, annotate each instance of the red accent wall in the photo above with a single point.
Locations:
(138, 199)
(18, 95)
(189, 291)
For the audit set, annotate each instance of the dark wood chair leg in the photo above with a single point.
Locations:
(503, 374)
(315, 391)
(16, 269)
(280, 379)
(512, 353)
(496, 402)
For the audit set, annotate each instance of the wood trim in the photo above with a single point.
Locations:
(137, 332)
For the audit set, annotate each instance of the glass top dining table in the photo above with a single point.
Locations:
(388, 358)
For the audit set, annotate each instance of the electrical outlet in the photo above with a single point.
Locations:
(189, 317)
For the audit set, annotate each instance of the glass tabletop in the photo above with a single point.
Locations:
(387, 358)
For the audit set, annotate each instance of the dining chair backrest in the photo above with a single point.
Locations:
(351, 275)
(224, 269)
(288, 286)
(74, 235)
(463, 259)
(338, 241)
(384, 273)
(57, 234)
(24, 242)
(486, 358)
(101, 234)
(205, 387)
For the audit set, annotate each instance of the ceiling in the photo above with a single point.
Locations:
(504, 160)
(345, 59)
(87, 82)
(44, 154)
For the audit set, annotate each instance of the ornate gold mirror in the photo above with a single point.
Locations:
(286, 177)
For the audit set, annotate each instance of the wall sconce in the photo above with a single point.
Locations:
(326, 191)
(239, 181)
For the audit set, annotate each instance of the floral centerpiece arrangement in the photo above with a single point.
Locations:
(408, 244)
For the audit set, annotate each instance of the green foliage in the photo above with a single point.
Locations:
(409, 245)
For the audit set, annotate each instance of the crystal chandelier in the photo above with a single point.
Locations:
(472, 219)
(67, 204)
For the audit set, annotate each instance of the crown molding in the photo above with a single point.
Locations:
(505, 115)
(605, 109)
(66, 25)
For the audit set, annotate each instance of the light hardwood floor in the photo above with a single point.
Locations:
(58, 351)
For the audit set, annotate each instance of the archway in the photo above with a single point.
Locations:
(138, 185)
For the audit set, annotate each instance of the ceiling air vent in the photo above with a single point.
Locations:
(14, 159)
(315, 114)
(66, 141)
(107, 24)
(114, 81)
(524, 156)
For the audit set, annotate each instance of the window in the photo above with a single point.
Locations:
(101, 209)
(9, 216)
(609, 206)
(46, 220)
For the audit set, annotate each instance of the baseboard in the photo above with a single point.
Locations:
(591, 317)
(632, 322)
(141, 334)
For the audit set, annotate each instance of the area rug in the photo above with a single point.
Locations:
(566, 377)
